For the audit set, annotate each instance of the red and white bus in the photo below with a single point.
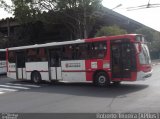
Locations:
(99, 60)
(3, 67)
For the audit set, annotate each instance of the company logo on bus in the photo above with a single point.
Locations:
(68, 65)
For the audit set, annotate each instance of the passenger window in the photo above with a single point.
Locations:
(36, 55)
(98, 49)
(68, 52)
(81, 51)
(12, 57)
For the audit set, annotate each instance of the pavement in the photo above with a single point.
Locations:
(155, 62)
(25, 97)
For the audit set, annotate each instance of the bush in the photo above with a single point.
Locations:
(110, 30)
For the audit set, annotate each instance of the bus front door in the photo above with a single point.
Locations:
(122, 60)
(55, 64)
(20, 65)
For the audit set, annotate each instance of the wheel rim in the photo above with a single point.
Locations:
(102, 79)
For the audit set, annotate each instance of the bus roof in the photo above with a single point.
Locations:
(111, 37)
(72, 42)
(47, 44)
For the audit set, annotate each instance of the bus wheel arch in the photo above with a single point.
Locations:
(101, 78)
(36, 77)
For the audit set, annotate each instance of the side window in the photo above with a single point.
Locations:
(12, 57)
(2, 56)
(35, 55)
(42, 54)
(31, 55)
(81, 51)
(68, 52)
(75, 52)
(84, 51)
(98, 49)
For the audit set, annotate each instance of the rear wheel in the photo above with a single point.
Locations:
(101, 79)
(36, 77)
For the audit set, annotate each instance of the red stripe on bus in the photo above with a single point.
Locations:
(11, 71)
(77, 71)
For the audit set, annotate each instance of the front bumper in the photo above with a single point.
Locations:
(143, 75)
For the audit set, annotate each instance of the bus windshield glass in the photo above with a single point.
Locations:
(144, 56)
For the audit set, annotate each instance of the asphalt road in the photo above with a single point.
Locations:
(141, 96)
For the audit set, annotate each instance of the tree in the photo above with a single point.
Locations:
(110, 30)
(78, 16)
(149, 34)
(4, 5)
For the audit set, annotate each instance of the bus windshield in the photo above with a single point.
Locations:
(144, 56)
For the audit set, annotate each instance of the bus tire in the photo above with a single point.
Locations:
(101, 79)
(36, 77)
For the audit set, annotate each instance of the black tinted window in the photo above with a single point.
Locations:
(12, 57)
(2, 56)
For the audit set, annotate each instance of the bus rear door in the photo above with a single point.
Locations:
(55, 64)
(20, 65)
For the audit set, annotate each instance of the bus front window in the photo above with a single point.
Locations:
(144, 55)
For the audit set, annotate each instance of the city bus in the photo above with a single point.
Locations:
(3, 67)
(101, 60)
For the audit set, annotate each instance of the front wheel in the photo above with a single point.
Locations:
(101, 79)
(36, 77)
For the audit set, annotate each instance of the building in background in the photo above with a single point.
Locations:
(13, 34)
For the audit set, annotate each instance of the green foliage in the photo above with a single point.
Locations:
(110, 30)
(24, 11)
(149, 34)
(5, 6)
(77, 15)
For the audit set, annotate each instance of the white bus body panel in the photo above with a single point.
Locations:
(24, 73)
(59, 73)
(56, 73)
(74, 71)
(21, 73)
(143, 76)
(53, 74)
(11, 70)
(41, 67)
(3, 68)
